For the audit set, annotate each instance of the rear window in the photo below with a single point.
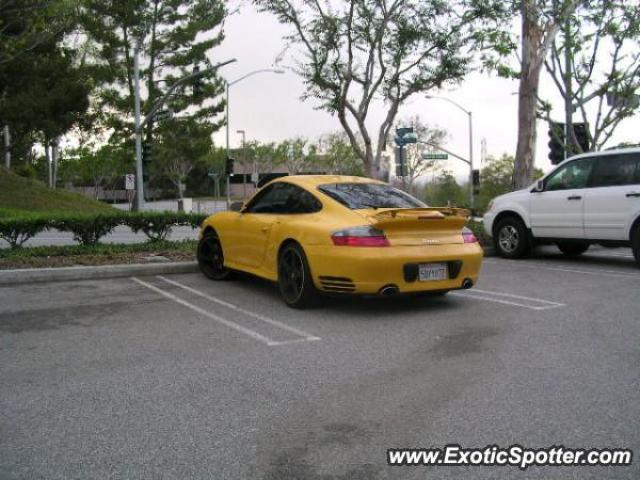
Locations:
(369, 195)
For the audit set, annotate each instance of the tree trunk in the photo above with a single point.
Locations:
(532, 59)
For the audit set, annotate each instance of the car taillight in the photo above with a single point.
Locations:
(468, 236)
(360, 237)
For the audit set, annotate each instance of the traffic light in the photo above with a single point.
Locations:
(401, 162)
(556, 142)
(476, 182)
(197, 84)
(404, 136)
(147, 152)
(583, 136)
(228, 167)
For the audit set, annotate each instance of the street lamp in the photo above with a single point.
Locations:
(244, 157)
(140, 122)
(229, 84)
(470, 162)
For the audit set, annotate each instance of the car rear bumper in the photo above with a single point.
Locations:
(367, 270)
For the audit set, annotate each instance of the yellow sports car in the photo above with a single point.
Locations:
(341, 235)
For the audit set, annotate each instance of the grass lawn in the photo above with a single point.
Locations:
(19, 195)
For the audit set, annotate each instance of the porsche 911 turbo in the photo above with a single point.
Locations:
(331, 234)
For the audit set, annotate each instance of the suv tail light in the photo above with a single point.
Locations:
(360, 237)
(468, 236)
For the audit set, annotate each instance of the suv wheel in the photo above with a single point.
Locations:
(635, 243)
(573, 249)
(511, 239)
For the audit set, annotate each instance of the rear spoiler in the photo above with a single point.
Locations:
(423, 213)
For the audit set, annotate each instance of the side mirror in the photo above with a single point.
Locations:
(539, 186)
(236, 206)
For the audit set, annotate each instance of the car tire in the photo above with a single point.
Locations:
(573, 249)
(635, 243)
(211, 257)
(511, 239)
(294, 278)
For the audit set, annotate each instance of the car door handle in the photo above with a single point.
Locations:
(265, 229)
(633, 194)
(574, 197)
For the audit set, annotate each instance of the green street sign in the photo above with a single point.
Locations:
(435, 156)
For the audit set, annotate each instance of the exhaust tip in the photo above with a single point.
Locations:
(389, 290)
(467, 283)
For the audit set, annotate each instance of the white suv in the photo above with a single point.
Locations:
(590, 198)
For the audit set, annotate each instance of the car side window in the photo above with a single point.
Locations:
(284, 198)
(616, 170)
(571, 176)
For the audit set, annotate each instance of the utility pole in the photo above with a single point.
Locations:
(7, 147)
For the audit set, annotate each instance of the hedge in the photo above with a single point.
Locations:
(88, 229)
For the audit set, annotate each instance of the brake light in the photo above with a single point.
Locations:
(468, 236)
(360, 237)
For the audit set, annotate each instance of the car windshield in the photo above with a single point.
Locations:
(369, 195)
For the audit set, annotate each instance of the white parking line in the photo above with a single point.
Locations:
(255, 335)
(509, 299)
(297, 331)
(539, 266)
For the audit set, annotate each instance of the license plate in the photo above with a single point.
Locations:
(428, 272)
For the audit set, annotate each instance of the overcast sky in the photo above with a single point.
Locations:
(268, 106)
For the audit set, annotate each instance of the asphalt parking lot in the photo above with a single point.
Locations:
(177, 377)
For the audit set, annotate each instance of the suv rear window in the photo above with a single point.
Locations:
(614, 170)
(369, 195)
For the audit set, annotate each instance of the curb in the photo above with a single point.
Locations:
(61, 274)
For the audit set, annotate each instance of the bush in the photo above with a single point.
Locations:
(478, 230)
(157, 225)
(19, 229)
(88, 229)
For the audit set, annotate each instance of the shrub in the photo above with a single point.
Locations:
(478, 230)
(19, 229)
(88, 229)
(157, 225)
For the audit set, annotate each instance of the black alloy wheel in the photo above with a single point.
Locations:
(211, 257)
(294, 278)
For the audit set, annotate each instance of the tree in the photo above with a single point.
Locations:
(352, 53)
(175, 36)
(496, 179)
(446, 191)
(43, 90)
(541, 21)
(431, 138)
(596, 61)
(337, 156)
(175, 158)
(298, 154)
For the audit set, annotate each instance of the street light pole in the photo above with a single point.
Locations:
(244, 157)
(141, 123)
(229, 84)
(139, 200)
(470, 162)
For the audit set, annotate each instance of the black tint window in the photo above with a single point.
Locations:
(612, 170)
(369, 195)
(573, 175)
(285, 198)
